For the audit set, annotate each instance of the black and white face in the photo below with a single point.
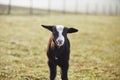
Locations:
(59, 33)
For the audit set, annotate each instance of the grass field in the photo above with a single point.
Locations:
(95, 49)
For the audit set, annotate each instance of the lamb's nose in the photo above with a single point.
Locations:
(60, 41)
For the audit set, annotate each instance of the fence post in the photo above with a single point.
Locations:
(116, 9)
(87, 8)
(64, 6)
(110, 10)
(9, 7)
(49, 6)
(31, 6)
(103, 9)
(96, 8)
(76, 7)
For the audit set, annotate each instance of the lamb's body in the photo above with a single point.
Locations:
(58, 51)
(58, 56)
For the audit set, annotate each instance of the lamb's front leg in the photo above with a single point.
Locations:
(64, 71)
(52, 68)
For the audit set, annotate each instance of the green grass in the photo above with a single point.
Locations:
(95, 49)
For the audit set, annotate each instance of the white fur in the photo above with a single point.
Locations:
(60, 29)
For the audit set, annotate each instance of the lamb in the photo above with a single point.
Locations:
(58, 51)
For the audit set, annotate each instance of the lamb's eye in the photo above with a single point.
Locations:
(53, 32)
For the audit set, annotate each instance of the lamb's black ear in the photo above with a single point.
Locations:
(72, 30)
(48, 27)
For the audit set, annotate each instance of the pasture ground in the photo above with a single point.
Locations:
(95, 49)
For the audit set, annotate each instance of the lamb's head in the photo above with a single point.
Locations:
(59, 33)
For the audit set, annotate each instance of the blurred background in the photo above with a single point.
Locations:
(95, 48)
(111, 7)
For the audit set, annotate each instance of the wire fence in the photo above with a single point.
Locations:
(111, 7)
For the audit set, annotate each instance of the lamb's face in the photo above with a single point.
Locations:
(59, 34)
